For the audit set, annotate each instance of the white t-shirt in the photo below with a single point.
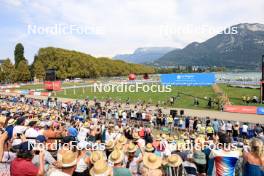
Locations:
(143, 115)
(124, 115)
(198, 127)
(82, 134)
(18, 130)
(116, 115)
(31, 133)
(244, 128)
(229, 126)
(133, 114)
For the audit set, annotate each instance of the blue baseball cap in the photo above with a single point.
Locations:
(72, 132)
(41, 138)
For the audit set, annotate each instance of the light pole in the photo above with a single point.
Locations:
(262, 81)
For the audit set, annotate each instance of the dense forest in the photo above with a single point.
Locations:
(68, 64)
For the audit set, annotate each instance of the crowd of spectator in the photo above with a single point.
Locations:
(89, 137)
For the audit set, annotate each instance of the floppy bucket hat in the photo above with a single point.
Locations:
(199, 157)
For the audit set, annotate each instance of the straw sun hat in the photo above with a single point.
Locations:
(135, 136)
(119, 146)
(158, 138)
(164, 136)
(122, 140)
(173, 161)
(131, 148)
(175, 137)
(96, 156)
(149, 147)
(116, 156)
(109, 145)
(68, 159)
(11, 122)
(100, 168)
(151, 161)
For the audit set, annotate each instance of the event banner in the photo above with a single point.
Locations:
(52, 85)
(260, 110)
(188, 79)
(240, 109)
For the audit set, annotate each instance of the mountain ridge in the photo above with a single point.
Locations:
(144, 54)
(243, 49)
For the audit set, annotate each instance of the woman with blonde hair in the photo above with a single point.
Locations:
(254, 159)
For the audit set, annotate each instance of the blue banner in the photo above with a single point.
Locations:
(188, 79)
(260, 110)
(24, 92)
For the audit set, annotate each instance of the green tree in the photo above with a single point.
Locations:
(23, 71)
(19, 54)
(8, 72)
(38, 70)
(71, 64)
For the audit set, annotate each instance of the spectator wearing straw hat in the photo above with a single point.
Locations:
(130, 158)
(68, 164)
(172, 165)
(83, 162)
(122, 140)
(101, 168)
(199, 159)
(149, 148)
(96, 156)
(109, 146)
(151, 165)
(116, 158)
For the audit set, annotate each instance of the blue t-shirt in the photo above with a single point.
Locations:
(9, 130)
(215, 125)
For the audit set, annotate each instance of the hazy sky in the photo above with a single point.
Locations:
(109, 27)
